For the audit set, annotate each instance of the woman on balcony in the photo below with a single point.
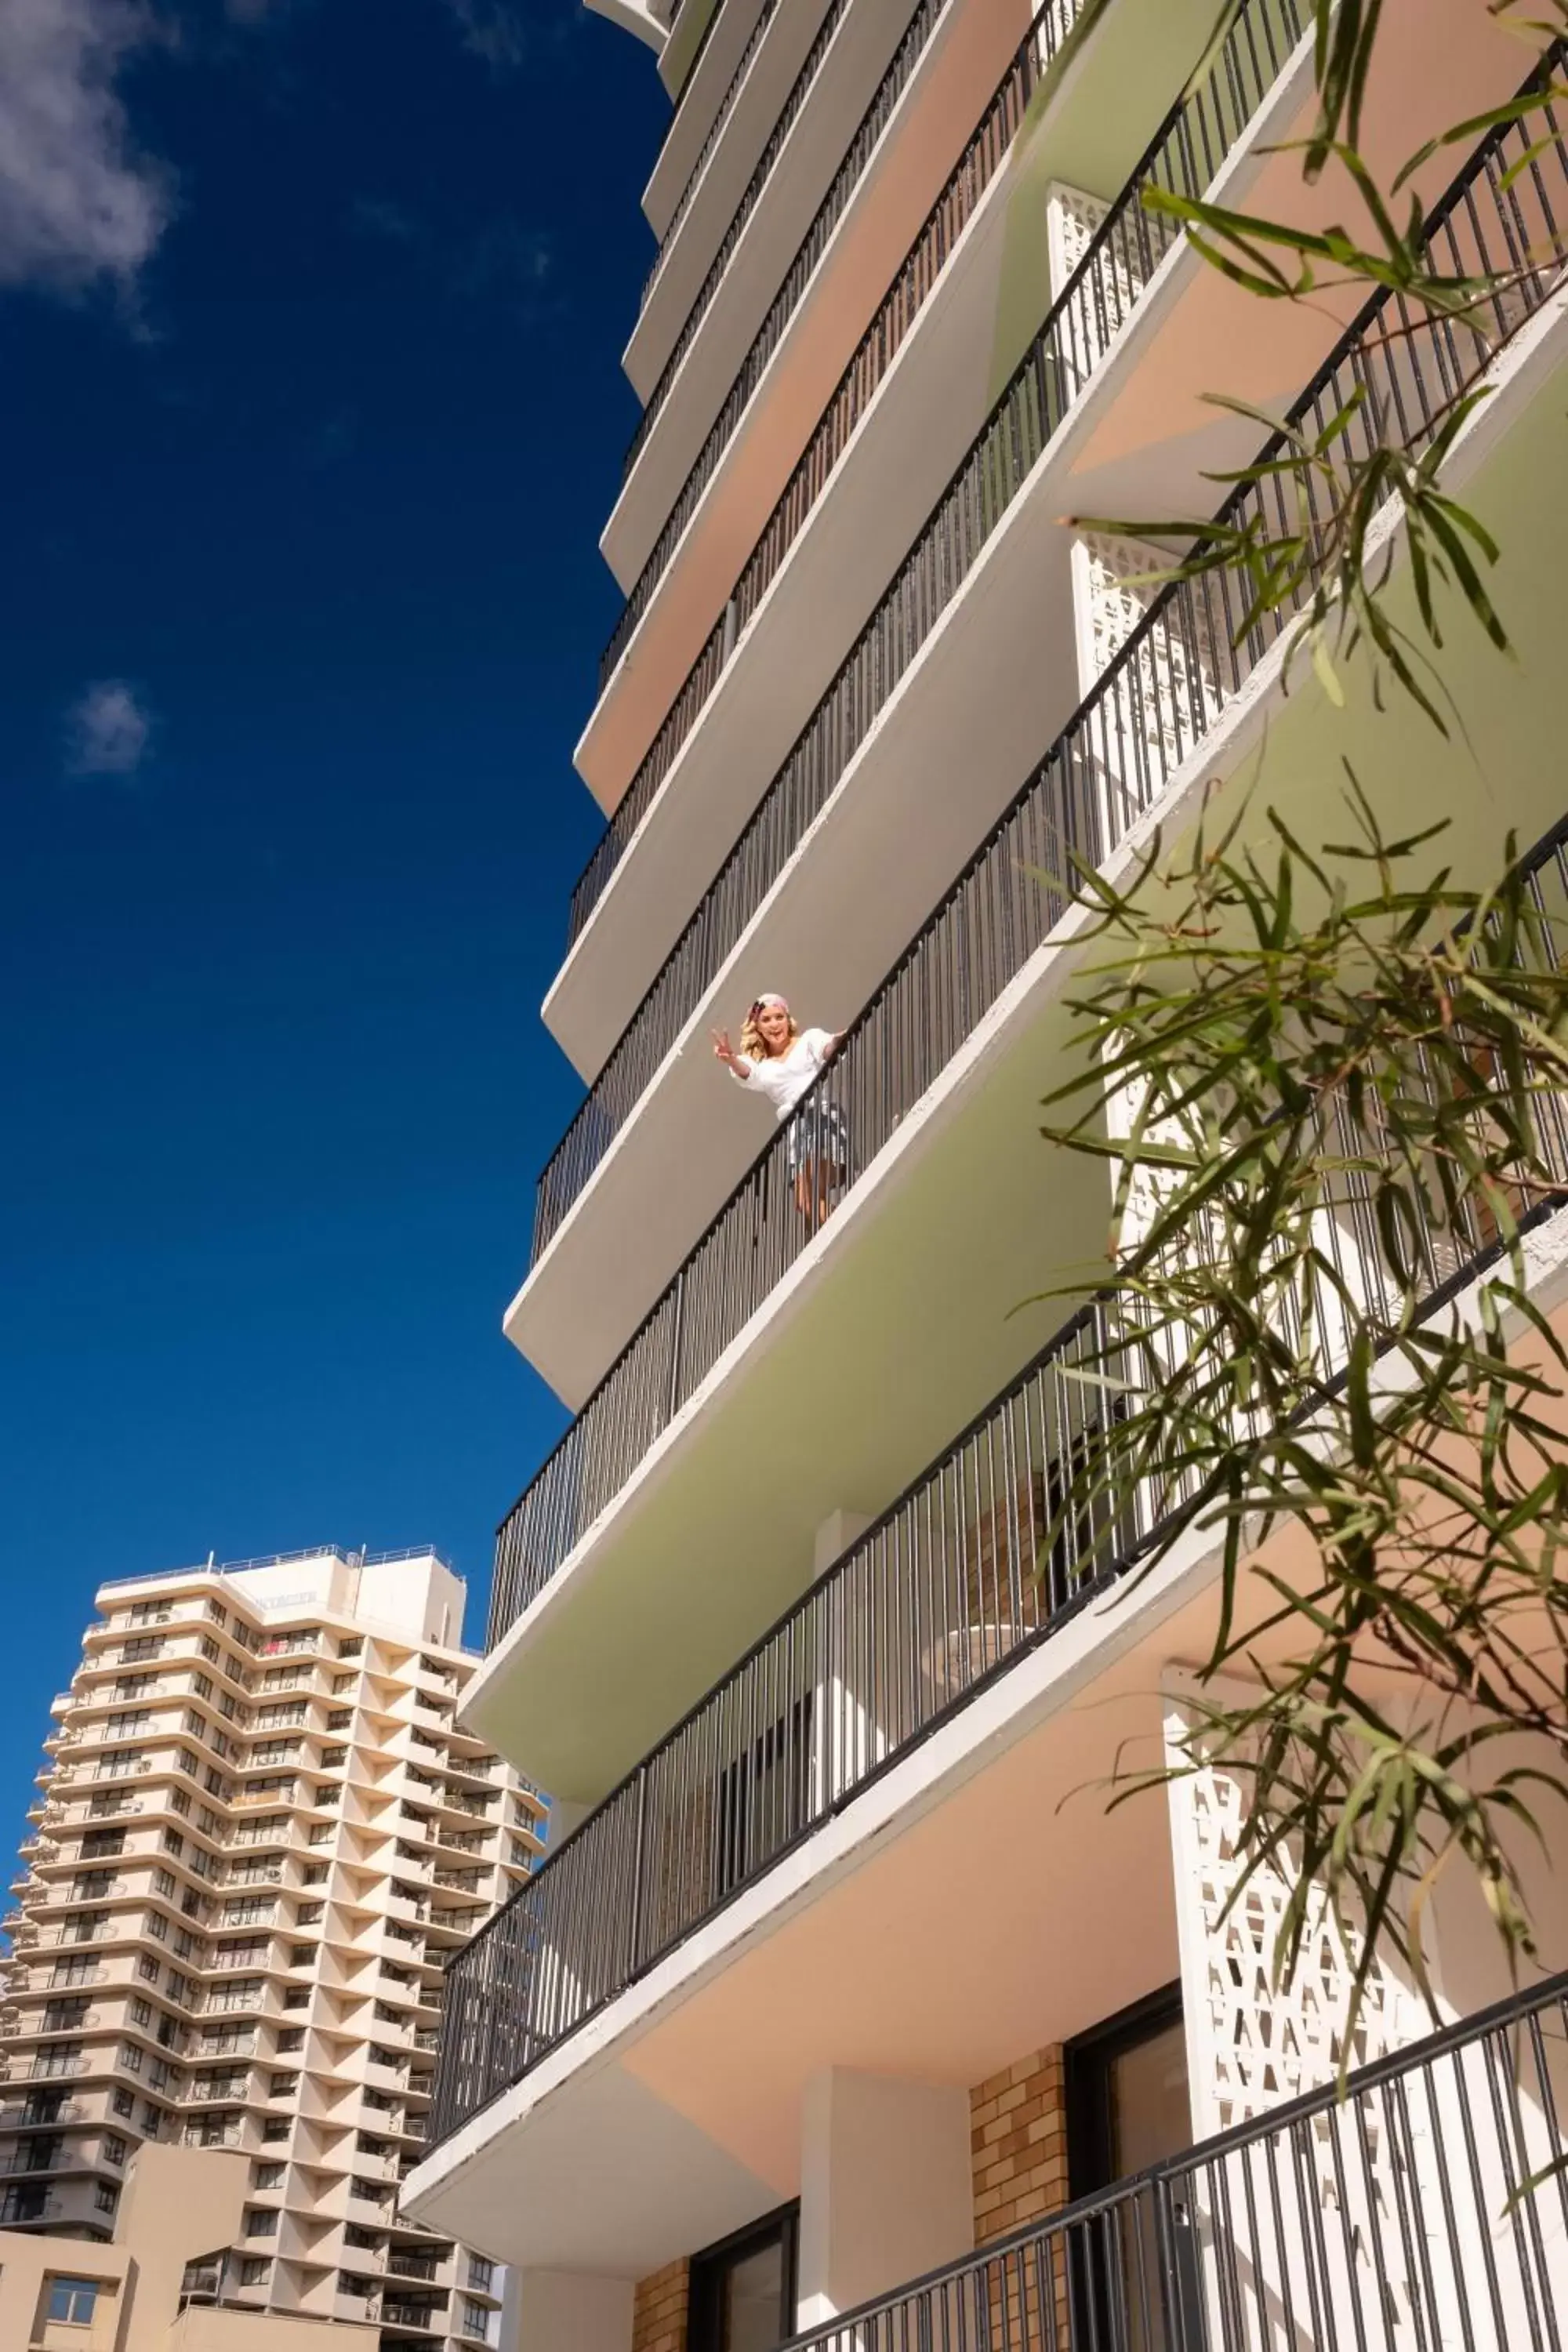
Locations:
(783, 1061)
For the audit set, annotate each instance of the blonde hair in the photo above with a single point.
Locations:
(751, 1041)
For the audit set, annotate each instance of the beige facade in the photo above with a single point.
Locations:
(144, 2289)
(261, 1834)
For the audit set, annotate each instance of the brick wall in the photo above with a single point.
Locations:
(658, 2310)
(1018, 2135)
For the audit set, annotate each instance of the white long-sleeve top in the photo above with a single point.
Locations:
(785, 1077)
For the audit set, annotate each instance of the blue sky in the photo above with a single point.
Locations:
(311, 316)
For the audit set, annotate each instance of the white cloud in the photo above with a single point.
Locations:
(493, 30)
(77, 203)
(108, 731)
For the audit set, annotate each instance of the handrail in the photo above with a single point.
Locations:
(1179, 670)
(915, 281)
(1119, 259)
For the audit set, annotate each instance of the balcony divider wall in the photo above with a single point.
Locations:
(1177, 672)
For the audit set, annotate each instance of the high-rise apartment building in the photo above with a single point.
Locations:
(844, 1984)
(260, 1835)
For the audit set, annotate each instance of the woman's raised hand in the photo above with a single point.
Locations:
(722, 1049)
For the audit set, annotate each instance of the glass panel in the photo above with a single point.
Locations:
(1150, 2114)
(753, 2298)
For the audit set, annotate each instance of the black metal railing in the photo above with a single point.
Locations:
(972, 1567)
(901, 305)
(1101, 294)
(715, 132)
(799, 91)
(1424, 2207)
(1151, 709)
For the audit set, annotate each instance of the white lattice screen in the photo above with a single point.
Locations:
(1248, 2047)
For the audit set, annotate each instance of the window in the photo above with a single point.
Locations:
(124, 2101)
(148, 1612)
(126, 1725)
(301, 1954)
(280, 2086)
(180, 1802)
(275, 2128)
(99, 1844)
(141, 2012)
(365, 2239)
(202, 1684)
(742, 2290)
(152, 2119)
(173, 1843)
(1125, 2084)
(254, 2269)
(341, 1683)
(106, 2196)
(164, 1883)
(476, 2320)
(333, 1756)
(145, 1645)
(147, 1968)
(481, 2274)
(321, 1834)
(77, 1970)
(179, 1986)
(186, 1761)
(350, 1649)
(340, 1718)
(292, 2038)
(116, 2148)
(315, 1873)
(260, 2222)
(72, 2301)
(281, 1715)
(156, 1925)
(130, 2057)
(308, 1913)
(268, 2176)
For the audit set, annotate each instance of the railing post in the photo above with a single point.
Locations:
(678, 1326)
(640, 1835)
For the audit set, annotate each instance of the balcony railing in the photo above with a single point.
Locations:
(799, 91)
(1202, 129)
(1425, 2209)
(715, 132)
(953, 1585)
(1177, 672)
(799, 277)
(901, 305)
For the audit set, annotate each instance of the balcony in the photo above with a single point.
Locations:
(1177, 681)
(1401, 2204)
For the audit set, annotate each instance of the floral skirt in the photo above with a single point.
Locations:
(818, 1135)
